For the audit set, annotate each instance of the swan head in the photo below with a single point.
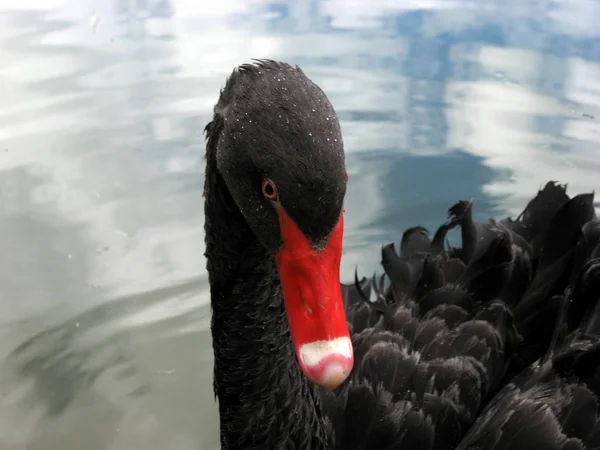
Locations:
(280, 153)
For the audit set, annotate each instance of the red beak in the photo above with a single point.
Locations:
(310, 281)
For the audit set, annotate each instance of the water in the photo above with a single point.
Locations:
(104, 338)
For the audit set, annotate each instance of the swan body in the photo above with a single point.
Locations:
(492, 345)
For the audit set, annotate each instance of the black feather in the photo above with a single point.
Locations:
(491, 345)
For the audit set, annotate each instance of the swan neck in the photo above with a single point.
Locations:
(264, 399)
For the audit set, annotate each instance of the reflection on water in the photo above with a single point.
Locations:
(104, 317)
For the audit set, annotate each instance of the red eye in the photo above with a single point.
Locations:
(346, 176)
(269, 190)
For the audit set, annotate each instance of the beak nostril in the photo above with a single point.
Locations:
(308, 308)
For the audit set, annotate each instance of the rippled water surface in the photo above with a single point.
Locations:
(104, 316)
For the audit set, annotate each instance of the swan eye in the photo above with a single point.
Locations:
(346, 177)
(270, 190)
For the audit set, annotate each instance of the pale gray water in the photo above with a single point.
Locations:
(104, 340)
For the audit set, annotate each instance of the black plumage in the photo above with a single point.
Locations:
(494, 344)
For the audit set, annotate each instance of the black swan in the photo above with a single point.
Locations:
(492, 345)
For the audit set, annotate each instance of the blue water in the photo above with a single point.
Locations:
(104, 340)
